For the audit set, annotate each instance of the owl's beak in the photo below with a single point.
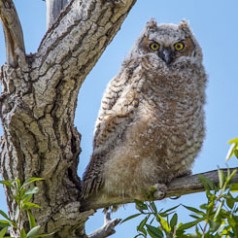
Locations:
(166, 55)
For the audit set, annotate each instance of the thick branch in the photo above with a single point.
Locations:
(180, 186)
(80, 35)
(53, 9)
(13, 33)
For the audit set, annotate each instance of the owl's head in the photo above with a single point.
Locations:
(169, 42)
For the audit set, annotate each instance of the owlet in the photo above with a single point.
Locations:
(150, 126)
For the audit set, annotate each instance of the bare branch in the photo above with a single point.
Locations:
(53, 9)
(13, 33)
(180, 186)
(107, 229)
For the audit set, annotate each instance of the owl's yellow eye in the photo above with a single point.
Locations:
(179, 46)
(154, 46)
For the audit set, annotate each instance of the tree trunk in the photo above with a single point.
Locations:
(38, 101)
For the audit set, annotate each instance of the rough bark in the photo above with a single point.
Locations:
(38, 105)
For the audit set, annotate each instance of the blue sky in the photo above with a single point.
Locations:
(215, 24)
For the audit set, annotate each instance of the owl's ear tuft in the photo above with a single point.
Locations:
(152, 25)
(184, 26)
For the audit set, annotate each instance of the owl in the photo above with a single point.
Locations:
(150, 125)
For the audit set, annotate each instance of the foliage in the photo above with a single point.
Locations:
(233, 151)
(22, 195)
(218, 217)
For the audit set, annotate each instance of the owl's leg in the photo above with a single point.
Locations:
(158, 191)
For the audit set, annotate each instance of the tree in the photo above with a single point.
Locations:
(38, 105)
(39, 99)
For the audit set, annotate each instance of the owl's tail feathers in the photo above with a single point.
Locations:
(89, 193)
(92, 182)
(93, 175)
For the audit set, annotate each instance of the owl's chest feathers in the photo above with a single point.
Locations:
(157, 121)
(160, 140)
(170, 102)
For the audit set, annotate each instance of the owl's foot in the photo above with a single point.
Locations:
(184, 174)
(158, 191)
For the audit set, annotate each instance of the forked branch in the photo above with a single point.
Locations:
(13, 33)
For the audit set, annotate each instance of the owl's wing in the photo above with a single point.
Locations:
(119, 101)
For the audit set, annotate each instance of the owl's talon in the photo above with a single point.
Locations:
(159, 191)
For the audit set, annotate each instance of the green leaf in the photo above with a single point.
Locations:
(230, 152)
(214, 226)
(218, 210)
(28, 205)
(140, 227)
(16, 183)
(230, 202)
(33, 232)
(233, 150)
(174, 221)
(26, 198)
(141, 206)
(166, 212)
(131, 217)
(235, 140)
(2, 213)
(193, 209)
(3, 232)
(4, 223)
(188, 225)
(194, 216)
(22, 234)
(236, 152)
(140, 235)
(234, 172)
(6, 183)
(164, 224)
(153, 207)
(234, 187)
(45, 235)
(31, 219)
(31, 180)
(154, 232)
(31, 191)
(221, 178)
